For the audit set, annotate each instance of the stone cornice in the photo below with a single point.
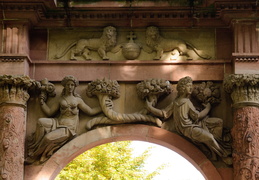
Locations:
(235, 5)
(13, 89)
(41, 14)
(244, 89)
(130, 70)
(14, 58)
(246, 57)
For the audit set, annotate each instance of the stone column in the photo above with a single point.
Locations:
(244, 91)
(13, 98)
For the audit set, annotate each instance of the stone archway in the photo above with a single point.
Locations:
(68, 152)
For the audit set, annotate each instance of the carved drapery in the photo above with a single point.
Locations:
(245, 131)
(13, 98)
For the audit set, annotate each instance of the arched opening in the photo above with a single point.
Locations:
(99, 136)
(124, 159)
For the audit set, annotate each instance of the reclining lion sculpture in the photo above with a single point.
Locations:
(155, 42)
(102, 45)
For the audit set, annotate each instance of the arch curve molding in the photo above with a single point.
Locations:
(96, 137)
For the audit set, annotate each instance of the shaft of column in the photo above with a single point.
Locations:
(13, 99)
(244, 90)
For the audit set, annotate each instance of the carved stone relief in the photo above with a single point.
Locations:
(105, 90)
(83, 46)
(160, 45)
(54, 131)
(243, 88)
(12, 142)
(13, 100)
(143, 44)
(57, 129)
(182, 117)
(131, 50)
(244, 93)
(13, 89)
(245, 134)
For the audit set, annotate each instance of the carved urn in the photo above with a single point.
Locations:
(131, 51)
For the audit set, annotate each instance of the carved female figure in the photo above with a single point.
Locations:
(189, 122)
(52, 133)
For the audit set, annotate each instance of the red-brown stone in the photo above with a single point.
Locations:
(12, 137)
(108, 134)
(245, 134)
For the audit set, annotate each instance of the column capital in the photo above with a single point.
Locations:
(13, 89)
(244, 89)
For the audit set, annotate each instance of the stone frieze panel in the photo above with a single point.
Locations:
(97, 44)
(58, 112)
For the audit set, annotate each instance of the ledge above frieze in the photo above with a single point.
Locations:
(246, 57)
(131, 70)
(14, 58)
(231, 5)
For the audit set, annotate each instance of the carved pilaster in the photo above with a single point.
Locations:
(13, 98)
(15, 38)
(246, 53)
(245, 36)
(14, 48)
(244, 91)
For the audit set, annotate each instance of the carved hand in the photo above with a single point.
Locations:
(148, 104)
(43, 97)
(207, 106)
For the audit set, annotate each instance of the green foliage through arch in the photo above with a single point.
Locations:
(112, 161)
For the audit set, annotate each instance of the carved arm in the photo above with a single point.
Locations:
(88, 110)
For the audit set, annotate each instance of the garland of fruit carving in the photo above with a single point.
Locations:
(106, 90)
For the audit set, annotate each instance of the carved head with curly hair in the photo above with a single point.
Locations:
(72, 81)
(182, 85)
(109, 36)
(152, 36)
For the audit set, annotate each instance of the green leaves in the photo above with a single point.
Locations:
(112, 161)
